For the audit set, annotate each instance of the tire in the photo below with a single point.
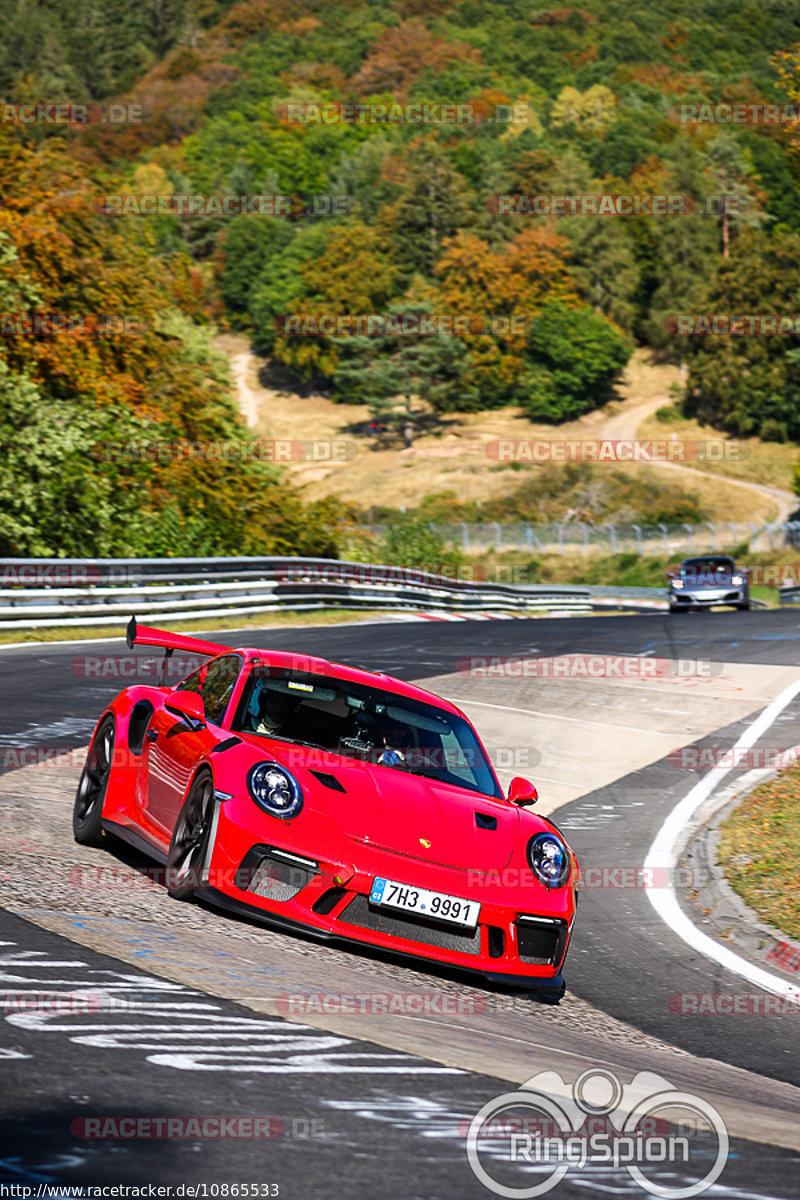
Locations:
(87, 813)
(187, 850)
(745, 607)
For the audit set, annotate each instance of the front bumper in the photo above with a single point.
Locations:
(512, 942)
(707, 597)
(552, 982)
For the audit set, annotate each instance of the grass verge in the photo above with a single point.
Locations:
(759, 850)
(278, 620)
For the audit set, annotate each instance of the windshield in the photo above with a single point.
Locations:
(707, 569)
(368, 724)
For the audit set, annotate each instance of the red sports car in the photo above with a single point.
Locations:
(336, 801)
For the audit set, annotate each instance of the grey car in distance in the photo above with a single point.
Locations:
(706, 581)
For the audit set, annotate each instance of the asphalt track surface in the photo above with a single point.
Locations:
(623, 959)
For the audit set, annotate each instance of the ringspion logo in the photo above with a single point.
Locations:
(647, 1127)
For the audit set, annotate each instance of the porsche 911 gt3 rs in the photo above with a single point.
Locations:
(335, 801)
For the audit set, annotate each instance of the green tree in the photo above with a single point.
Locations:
(749, 384)
(386, 370)
(247, 249)
(575, 358)
(434, 203)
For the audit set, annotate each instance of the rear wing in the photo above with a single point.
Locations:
(144, 635)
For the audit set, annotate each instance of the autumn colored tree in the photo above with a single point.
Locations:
(353, 277)
(99, 364)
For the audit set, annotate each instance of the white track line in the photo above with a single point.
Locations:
(663, 854)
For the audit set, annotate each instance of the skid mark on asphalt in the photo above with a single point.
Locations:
(174, 1026)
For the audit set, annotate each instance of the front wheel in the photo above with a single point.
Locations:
(87, 813)
(187, 850)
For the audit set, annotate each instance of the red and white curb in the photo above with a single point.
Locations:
(580, 606)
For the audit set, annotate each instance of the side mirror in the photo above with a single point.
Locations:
(188, 705)
(522, 792)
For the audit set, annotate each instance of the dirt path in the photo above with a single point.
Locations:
(459, 458)
(626, 424)
(249, 402)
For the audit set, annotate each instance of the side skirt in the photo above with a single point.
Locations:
(137, 840)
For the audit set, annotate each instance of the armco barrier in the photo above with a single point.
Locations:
(37, 593)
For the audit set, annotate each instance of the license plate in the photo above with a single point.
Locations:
(391, 894)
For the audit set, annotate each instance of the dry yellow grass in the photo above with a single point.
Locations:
(455, 458)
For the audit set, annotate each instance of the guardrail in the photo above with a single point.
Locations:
(40, 593)
(789, 594)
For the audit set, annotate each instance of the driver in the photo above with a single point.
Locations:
(395, 741)
(270, 710)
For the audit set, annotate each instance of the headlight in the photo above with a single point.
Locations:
(275, 790)
(677, 583)
(549, 859)
(737, 580)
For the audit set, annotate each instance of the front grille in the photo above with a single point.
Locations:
(540, 943)
(272, 874)
(366, 916)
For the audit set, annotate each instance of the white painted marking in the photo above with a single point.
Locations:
(536, 712)
(317, 1064)
(662, 854)
(200, 1036)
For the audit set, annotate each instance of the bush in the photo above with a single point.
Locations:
(410, 542)
(669, 414)
(576, 357)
